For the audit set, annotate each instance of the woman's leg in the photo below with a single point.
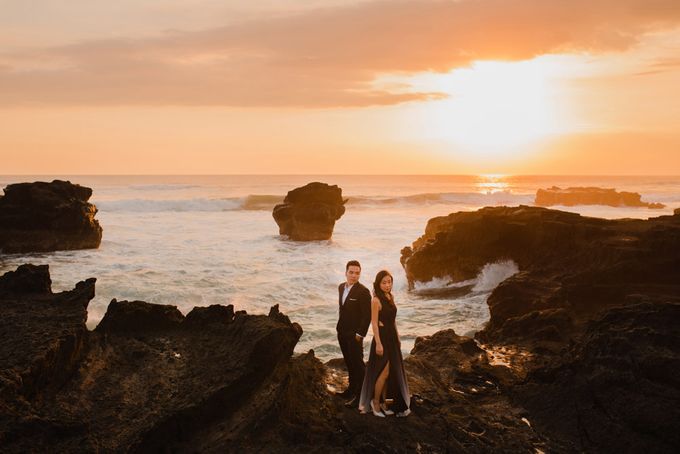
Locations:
(380, 385)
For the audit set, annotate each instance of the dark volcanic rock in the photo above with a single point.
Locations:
(130, 316)
(214, 313)
(42, 335)
(38, 217)
(150, 380)
(594, 309)
(618, 389)
(216, 381)
(591, 196)
(124, 386)
(572, 267)
(309, 213)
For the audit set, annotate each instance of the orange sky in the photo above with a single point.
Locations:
(326, 86)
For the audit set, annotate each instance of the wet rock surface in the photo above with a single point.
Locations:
(309, 213)
(40, 216)
(591, 196)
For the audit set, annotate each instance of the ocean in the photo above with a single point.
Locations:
(200, 240)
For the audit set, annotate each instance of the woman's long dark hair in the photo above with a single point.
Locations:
(376, 286)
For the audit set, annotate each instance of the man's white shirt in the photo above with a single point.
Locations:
(347, 290)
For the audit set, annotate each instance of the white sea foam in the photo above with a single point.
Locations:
(255, 202)
(162, 187)
(493, 274)
(179, 205)
(440, 283)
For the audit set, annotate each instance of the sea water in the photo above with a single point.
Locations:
(200, 240)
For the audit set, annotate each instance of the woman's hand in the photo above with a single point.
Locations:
(379, 350)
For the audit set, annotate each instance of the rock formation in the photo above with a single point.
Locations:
(591, 196)
(309, 213)
(595, 309)
(146, 379)
(40, 217)
(149, 379)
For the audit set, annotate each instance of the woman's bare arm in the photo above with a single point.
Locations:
(375, 310)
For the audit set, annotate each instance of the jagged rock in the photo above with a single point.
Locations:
(42, 335)
(149, 379)
(214, 313)
(591, 196)
(594, 311)
(618, 389)
(27, 279)
(309, 213)
(40, 216)
(140, 316)
(142, 381)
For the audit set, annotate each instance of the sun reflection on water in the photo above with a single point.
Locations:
(492, 183)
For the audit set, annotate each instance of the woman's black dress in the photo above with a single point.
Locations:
(397, 387)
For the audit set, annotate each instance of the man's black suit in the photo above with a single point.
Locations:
(354, 318)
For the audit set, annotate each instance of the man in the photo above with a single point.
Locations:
(355, 316)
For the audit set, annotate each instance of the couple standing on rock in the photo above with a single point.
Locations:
(383, 380)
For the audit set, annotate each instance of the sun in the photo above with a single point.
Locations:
(493, 107)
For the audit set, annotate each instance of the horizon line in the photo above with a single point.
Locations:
(490, 174)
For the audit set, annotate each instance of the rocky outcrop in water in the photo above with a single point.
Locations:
(40, 217)
(591, 196)
(595, 308)
(571, 267)
(309, 213)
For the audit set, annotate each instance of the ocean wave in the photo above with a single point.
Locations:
(261, 202)
(266, 202)
(490, 276)
(146, 205)
(162, 187)
(461, 198)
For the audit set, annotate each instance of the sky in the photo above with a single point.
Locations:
(339, 87)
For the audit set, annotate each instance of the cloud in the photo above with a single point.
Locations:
(325, 57)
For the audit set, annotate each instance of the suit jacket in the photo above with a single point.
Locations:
(355, 314)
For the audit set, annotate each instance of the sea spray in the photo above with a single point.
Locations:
(493, 274)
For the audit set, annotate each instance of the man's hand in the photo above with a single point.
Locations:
(358, 338)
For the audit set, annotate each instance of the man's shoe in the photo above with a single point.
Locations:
(353, 402)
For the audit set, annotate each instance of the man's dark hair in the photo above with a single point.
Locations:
(352, 263)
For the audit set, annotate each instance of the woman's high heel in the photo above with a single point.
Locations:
(386, 410)
(403, 414)
(376, 412)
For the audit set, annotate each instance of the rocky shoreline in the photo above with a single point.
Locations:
(580, 354)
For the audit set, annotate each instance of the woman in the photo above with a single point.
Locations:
(385, 376)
